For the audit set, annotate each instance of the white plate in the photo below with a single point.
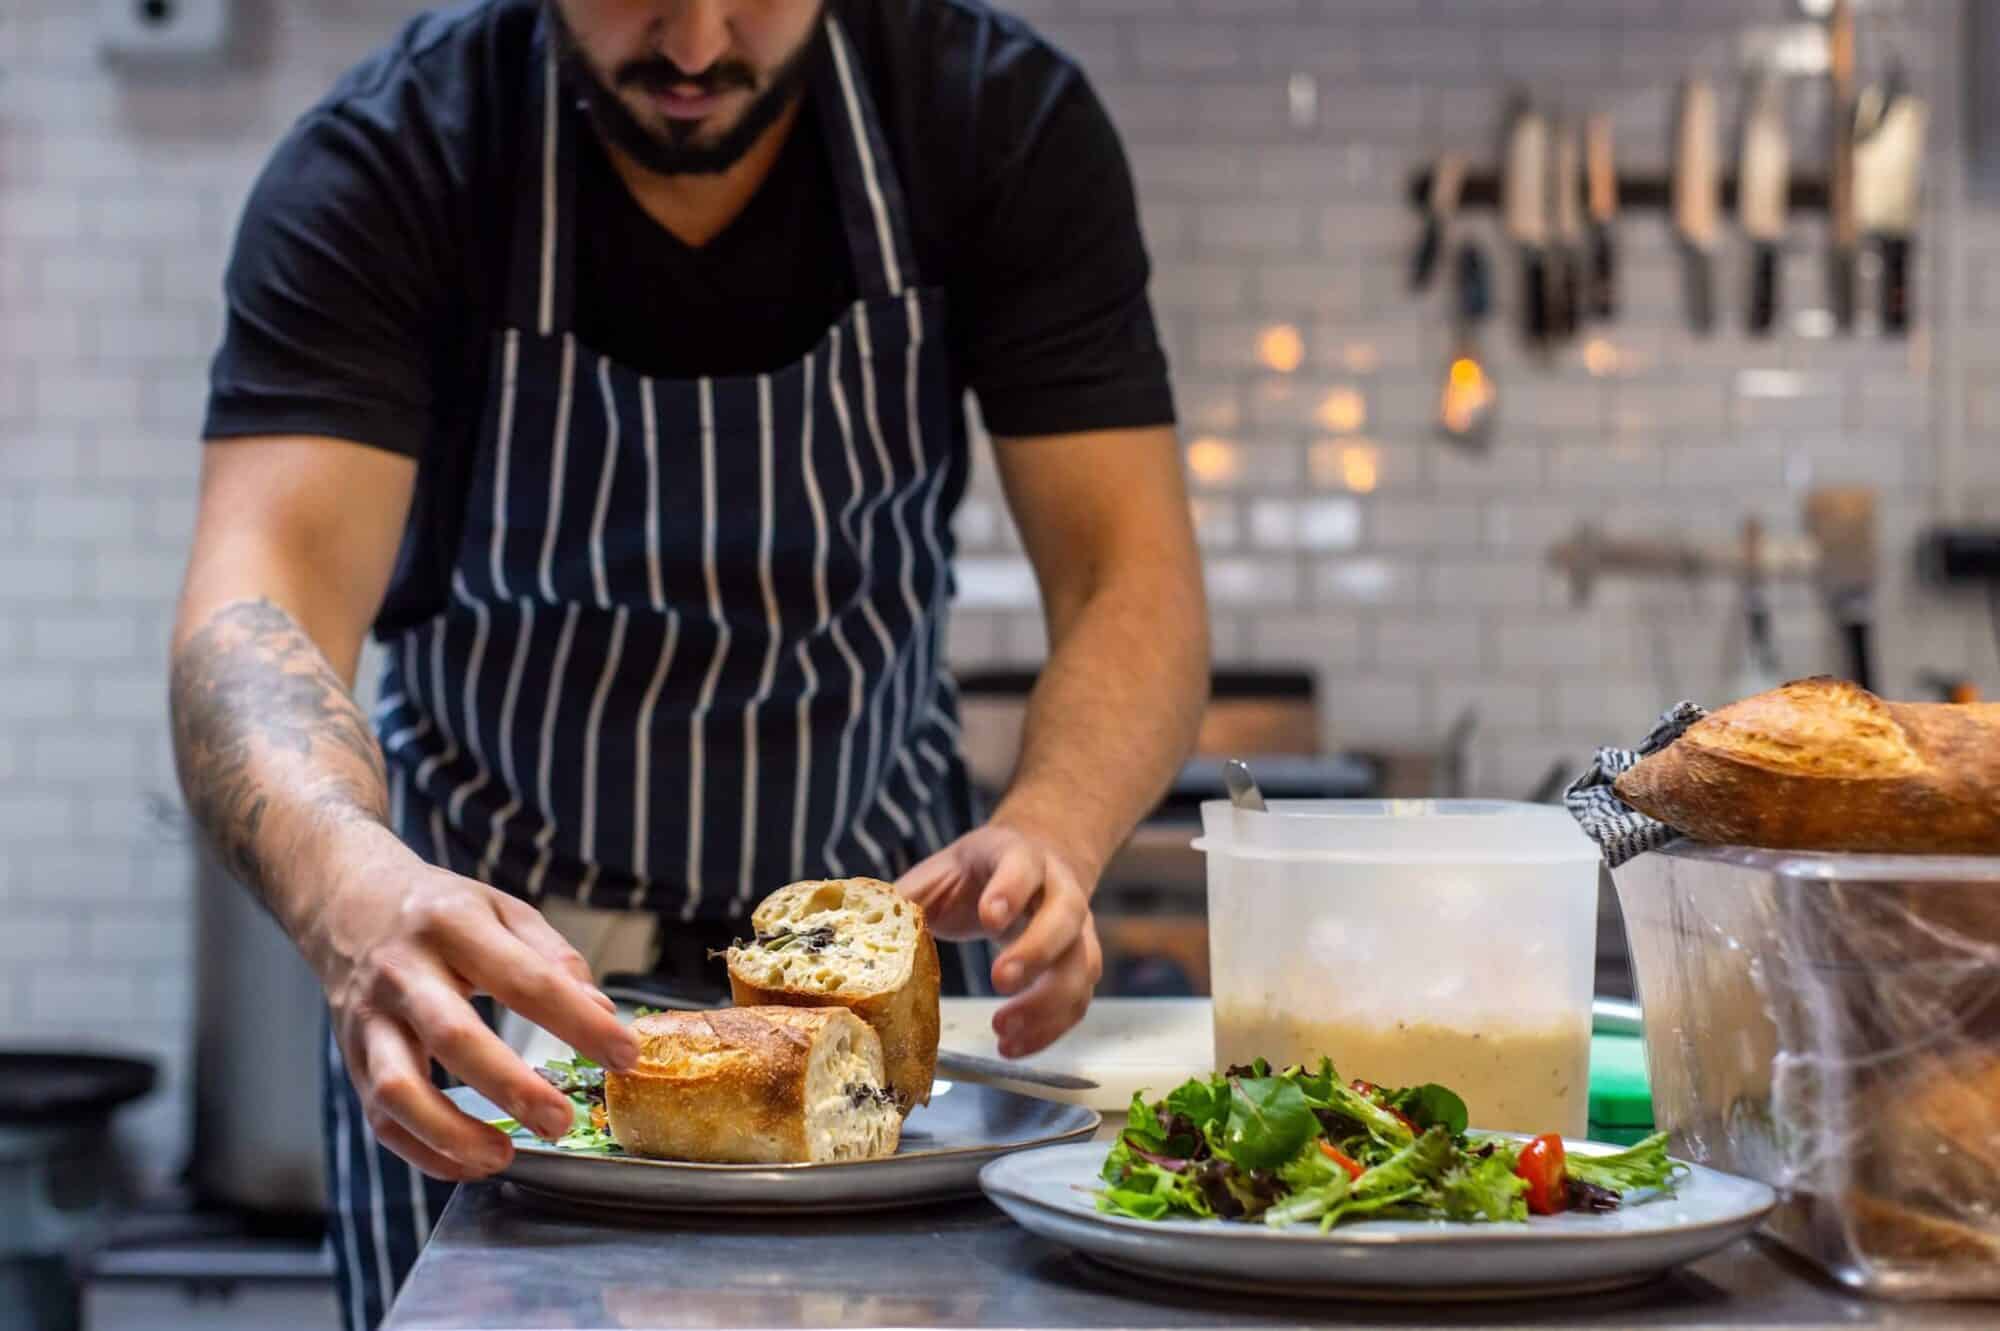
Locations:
(1052, 1193)
(944, 1146)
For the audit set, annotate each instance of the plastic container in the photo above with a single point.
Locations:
(1830, 1024)
(1410, 941)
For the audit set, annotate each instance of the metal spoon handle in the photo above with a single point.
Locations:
(1243, 792)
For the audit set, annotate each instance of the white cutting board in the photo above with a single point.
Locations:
(1122, 1044)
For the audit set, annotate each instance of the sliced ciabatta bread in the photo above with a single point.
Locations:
(1823, 764)
(760, 1086)
(854, 943)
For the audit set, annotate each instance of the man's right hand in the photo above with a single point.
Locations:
(401, 947)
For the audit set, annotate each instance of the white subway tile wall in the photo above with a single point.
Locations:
(1272, 141)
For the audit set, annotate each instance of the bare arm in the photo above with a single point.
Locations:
(1105, 520)
(295, 540)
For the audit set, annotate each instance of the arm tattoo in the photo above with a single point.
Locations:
(261, 724)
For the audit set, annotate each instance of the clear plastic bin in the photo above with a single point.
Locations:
(1410, 941)
(1830, 1024)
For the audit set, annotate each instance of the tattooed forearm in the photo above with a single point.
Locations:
(268, 742)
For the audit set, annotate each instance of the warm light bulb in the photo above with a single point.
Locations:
(1281, 348)
(1213, 461)
(1343, 411)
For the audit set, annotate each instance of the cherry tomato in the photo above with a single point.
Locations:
(1343, 1159)
(1543, 1165)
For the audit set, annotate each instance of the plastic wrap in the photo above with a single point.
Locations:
(1830, 1024)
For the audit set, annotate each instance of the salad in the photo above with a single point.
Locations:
(1292, 1146)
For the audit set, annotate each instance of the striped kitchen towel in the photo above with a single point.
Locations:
(1618, 828)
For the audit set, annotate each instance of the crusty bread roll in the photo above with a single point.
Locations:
(755, 1086)
(854, 943)
(1823, 764)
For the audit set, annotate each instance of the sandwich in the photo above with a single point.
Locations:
(854, 943)
(754, 1086)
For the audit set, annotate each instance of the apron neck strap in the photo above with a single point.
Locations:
(872, 205)
(538, 297)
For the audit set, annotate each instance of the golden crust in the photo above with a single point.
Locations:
(725, 1087)
(1822, 764)
(905, 1015)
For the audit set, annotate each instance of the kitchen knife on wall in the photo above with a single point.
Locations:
(1845, 234)
(1887, 173)
(1695, 199)
(1525, 208)
(1447, 180)
(1763, 182)
(1566, 248)
(1601, 300)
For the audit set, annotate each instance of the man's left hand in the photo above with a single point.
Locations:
(1006, 883)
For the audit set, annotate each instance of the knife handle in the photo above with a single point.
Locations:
(1428, 245)
(1699, 274)
(1763, 287)
(1840, 287)
(1896, 285)
(1603, 301)
(1535, 294)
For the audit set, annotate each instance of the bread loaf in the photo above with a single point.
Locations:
(755, 1086)
(854, 943)
(1823, 764)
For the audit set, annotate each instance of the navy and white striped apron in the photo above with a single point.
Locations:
(692, 648)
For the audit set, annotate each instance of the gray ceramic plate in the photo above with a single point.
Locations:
(945, 1144)
(1051, 1193)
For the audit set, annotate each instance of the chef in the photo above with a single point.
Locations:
(605, 360)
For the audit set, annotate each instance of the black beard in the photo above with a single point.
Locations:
(672, 153)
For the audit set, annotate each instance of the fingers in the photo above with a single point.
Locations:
(531, 927)
(1012, 884)
(398, 1139)
(395, 1087)
(1050, 932)
(452, 1032)
(494, 959)
(1054, 1003)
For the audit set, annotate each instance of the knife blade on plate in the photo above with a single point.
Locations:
(1525, 207)
(1601, 171)
(1566, 249)
(636, 989)
(1887, 174)
(1695, 199)
(1846, 235)
(1761, 198)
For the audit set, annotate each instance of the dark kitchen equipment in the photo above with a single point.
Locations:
(259, 1057)
(60, 1178)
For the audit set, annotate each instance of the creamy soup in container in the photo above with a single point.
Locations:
(1410, 941)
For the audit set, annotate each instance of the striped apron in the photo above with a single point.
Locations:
(692, 646)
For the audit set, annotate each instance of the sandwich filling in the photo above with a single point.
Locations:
(849, 1114)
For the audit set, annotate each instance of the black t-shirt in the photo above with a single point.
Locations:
(370, 268)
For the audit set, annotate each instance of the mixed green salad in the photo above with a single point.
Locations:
(583, 1082)
(1292, 1146)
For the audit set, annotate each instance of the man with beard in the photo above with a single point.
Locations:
(605, 360)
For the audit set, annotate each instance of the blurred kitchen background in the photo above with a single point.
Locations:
(1396, 611)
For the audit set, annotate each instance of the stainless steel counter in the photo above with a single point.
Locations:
(498, 1262)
